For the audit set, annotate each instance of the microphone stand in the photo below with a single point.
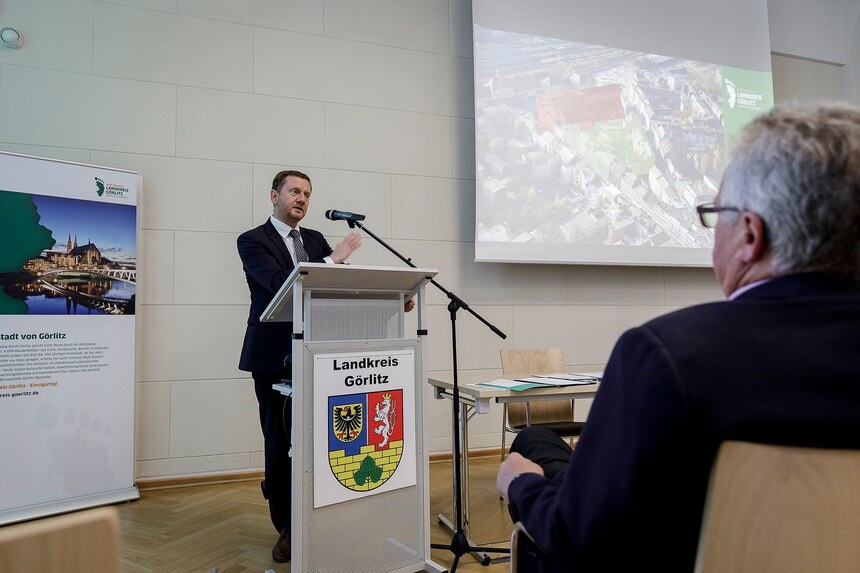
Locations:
(460, 543)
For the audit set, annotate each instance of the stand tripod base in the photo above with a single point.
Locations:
(461, 545)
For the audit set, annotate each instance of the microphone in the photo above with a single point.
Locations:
(335, 215)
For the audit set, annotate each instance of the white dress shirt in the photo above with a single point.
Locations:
(284, 231)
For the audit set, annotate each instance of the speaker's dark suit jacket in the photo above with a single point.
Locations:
(780, 364)
(267, 264)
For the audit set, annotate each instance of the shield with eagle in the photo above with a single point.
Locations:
(365, 438)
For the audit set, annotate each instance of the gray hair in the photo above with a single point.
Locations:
(798, 168)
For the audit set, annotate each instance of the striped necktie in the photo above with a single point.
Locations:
(298, 247)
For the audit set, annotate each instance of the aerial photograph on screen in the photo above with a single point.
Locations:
(582, 144)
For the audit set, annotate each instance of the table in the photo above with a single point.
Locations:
(477, 400)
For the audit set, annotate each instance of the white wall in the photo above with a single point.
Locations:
(822, 30)
(816, 49)
(208, 99)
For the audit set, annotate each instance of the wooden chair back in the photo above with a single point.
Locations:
(528, 361)
(80, 542)
(779, 508)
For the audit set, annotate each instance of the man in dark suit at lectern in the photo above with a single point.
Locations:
(269, 254)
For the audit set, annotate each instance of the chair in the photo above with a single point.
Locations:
(526, 555)
(81, 542)
(780, 508)
(555, 415)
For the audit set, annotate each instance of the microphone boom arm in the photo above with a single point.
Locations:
(460, 542)
(451, 296)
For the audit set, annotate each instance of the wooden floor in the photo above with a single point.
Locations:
(226, 527)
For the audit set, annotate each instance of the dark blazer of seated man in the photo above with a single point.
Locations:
(779, 362)
(269, 254)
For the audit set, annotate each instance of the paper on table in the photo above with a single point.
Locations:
(546, 380)
(590, 377)
(515, 385)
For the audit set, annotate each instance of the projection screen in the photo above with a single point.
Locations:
(600, 125)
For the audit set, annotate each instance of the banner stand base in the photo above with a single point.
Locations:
(67, 505)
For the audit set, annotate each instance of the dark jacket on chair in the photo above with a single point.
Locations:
(780, 364)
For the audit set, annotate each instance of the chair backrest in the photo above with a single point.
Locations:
(781, 508)
(527, 361)
(526, 555)
(81, 542)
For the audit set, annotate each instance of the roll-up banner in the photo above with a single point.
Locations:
(68, 286)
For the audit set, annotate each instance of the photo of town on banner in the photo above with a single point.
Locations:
(554, 380)
(66, 256)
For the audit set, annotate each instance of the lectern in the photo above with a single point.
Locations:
(359, 450)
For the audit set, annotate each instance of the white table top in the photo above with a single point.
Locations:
(481, 396)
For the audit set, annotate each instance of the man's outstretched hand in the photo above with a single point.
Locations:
(345, 248)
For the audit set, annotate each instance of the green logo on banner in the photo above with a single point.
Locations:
(111, 189)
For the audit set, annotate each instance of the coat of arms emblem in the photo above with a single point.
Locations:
(365, 438)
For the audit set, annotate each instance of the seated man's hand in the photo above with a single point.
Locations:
(409, 305)
(514, 465)
(345, 248)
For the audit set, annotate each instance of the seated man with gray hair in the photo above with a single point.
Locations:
(778, 362)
